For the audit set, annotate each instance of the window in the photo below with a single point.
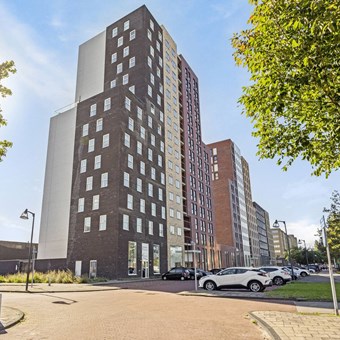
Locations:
(126, 25)
(102, 222)
(160, 61)
(177, 184)
(106, 140)
(162, 178)
(126, 222)
(125, 79)
(132, 89)
(127, 103)
(91, 145)
(139, 113)
(119, 68)
(107, 104)
(149, 35)
(152, 79)
(161, 230)
(130, 161)
(114, 32)
(160, 194)
(150, 190)
(113, 58)
(139, 225)
(172, 230)
(87, 224)
(178, 199)
(149, 62)
(160, 37)
(129, 204)
(127, 140)
(139, 148)
(153, 209)
(142, 168)
(85, 130)
(149, 154)
(178, 215)
(150, 121)
(163, 213)
(89, 182)
(97, 162)
(126, 179)
(153, 139)
(171, 180)
(132, 258)
(159, 100)
(81, 203)
(153, 173)
(142, 206)
(160, 161)
(113, 83)
(152, 108)
(150, 228)
(132, 35)
(131, 124)
(162, 146)
(132, 62)
(161, 116)
(158, 46)
(179, 231)
(93, 110)
(139, 185)
(104, 180)
(171, 212)
(126, 51)
(120, 41)
(83, 166)
(149, 90)
(152, 26)
(142, 132)
(99, 124)
(158, 72)
(95, 202)
(171, 196)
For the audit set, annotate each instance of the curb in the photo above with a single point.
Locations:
(13, 322)
(270, 330)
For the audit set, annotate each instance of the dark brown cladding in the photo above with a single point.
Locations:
(109, 247)
(197, 189)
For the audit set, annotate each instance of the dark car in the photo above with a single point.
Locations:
(199, 273)
(177, 273)
(215, 270)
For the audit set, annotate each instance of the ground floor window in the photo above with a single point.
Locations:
(132, 258)
(93, 269)
(176, 256)
(156, 259)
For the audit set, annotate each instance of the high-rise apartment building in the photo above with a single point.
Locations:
(251, 217)
(127, 184)
(280, 244)
(231, 222)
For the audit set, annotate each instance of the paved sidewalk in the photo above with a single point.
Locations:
(286, 326)
(280, 325)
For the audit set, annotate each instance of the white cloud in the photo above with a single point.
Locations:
(303, 229)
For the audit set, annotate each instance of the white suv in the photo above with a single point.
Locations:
(237, 277)
(278, 275)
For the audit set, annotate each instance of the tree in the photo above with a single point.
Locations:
(6, 68)
(292, 51)
(333, 222)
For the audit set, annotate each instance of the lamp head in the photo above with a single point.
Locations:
(24, 215)
(276, 224)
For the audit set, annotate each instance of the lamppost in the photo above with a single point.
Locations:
(24, 216)
(276, 225)
(194, 251)
(300, 242)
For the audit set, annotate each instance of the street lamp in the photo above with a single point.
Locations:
(24, 216)
(300, 242)
(276, 225)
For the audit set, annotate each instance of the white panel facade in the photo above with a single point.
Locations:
(57, 187)
(91, 66)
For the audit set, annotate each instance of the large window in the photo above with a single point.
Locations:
(156, 259)
(81, 202)
(95, 202)
(87, 224)
(104, 180)
(126, 222)
(102, 222)
(132, 258)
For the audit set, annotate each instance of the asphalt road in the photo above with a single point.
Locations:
(134, 314)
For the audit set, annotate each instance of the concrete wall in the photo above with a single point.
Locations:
(91, 66)
(57, 187)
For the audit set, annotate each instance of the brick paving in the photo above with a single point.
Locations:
(286, 326)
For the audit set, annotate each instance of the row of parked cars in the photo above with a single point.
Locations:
(253, 279)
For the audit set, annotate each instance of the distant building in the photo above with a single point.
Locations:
(280, 244)
(293, 242)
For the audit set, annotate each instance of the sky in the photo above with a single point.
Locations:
(42, 37)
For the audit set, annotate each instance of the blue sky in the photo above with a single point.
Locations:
(42, 37)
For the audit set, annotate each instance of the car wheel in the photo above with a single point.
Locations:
(164, 277)
(182, 278)
(192, 277)
(278, 281)
(255, 286)
(303, 274)
(209, 285)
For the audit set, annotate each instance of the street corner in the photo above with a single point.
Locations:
(9, 317)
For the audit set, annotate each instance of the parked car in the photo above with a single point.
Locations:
(237, 277)
(296, 272)
(215, 270)
(199, 273)
(302, 272)
(277, 274)
(177, 273)
(314, 267)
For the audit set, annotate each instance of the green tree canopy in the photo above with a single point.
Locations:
(6, 68)
(333, 221)
(292, 51)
